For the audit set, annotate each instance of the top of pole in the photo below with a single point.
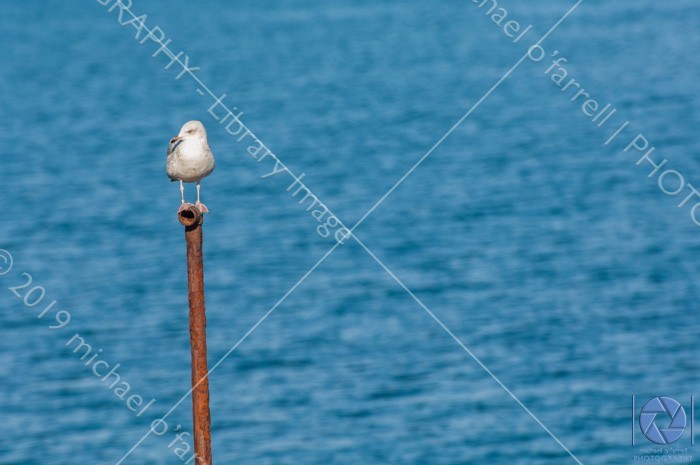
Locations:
(190, 216)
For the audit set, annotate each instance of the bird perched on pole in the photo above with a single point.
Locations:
(190, 159)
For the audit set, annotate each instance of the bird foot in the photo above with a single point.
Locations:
(202, 208)
(185, 206)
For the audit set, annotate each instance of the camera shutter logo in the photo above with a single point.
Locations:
(666, 413)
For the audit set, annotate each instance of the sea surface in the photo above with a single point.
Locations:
(569, 279)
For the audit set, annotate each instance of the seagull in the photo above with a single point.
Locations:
(190, 159)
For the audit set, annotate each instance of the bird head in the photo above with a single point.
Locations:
(191, 129)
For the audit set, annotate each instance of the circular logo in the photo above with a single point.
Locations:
(668, 412)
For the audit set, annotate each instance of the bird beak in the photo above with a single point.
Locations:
(175, 139)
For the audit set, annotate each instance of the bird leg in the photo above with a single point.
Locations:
(183, 205)
(203, 208)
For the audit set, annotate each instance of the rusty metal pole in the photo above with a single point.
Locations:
(192, 219)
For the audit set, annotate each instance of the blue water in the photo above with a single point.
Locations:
(552, 257)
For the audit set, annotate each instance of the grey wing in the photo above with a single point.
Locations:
(173, 145)
(172, 149)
